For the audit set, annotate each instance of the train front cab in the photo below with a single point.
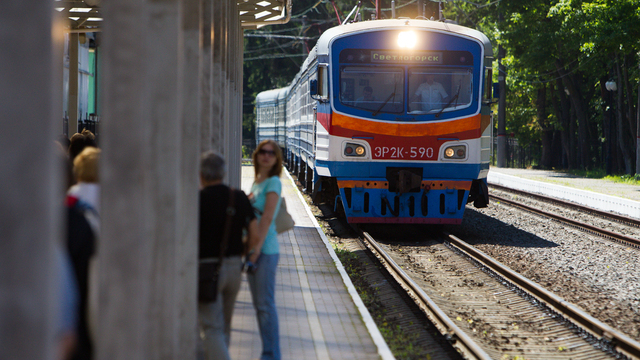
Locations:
(407, 174)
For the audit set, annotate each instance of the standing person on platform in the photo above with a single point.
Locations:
(265, 196)
(215, 317)
(83, 228)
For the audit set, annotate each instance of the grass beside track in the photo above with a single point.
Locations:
(400, 343)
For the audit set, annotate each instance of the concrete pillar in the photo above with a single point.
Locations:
(190, 106)
(218, 76)
(226, 83)
(140, 254)
(226, 70)
(234, 135)
(72, 101)
(205, 66)
(239, 82)
(30, 185)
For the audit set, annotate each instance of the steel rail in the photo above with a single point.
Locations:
(438, 317)
(593, 229)
(608, 215)
(621, 341)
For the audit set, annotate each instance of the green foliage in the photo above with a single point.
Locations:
(625, 179)
(591, 174)
(246, 152)
(583, 39)
(249, 127)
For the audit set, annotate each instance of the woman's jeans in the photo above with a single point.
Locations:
(263, 287)
(215, 317)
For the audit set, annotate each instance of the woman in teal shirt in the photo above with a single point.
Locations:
(265, 197)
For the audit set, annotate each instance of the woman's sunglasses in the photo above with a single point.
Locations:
(266, 152)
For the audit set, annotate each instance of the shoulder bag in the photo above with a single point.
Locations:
(284, 221)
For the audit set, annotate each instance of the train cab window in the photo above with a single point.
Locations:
(374, 89)
(438, 90)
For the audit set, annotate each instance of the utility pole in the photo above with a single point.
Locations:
(502, 103)
(638, 130)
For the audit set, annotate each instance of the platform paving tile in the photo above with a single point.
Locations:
(318, 318)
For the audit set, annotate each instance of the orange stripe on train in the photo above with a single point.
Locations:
(403, 128)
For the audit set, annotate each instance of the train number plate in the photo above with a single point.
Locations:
(403, 152)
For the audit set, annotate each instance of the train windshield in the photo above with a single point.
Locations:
(437, 90)
(375, 89)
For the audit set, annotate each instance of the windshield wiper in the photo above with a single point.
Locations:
(393, 94)
(455, 97)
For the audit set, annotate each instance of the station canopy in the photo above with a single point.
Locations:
(85, 16)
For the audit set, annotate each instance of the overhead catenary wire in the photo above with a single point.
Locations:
(282, 36)
(275, 56)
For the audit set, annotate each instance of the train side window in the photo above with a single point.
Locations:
(323, 82)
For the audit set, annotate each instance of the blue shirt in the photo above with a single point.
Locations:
(259, 191)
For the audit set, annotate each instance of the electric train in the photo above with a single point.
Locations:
(388, 120)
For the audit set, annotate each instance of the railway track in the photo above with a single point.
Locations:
(567, 204)
(511, 324)
(489, 311)
(593, 229)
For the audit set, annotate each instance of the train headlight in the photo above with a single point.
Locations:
(352, 149)
(449, 152)
(455, 152)
(407, 39)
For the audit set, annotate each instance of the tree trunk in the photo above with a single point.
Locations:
(556, 148)
(606, 124)
(628, 61)
(629, 94)
(562, 109)
(547, 131)
(624, 140)
(572, 136)
(569, 81)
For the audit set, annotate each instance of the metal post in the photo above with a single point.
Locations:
(72, 101)
(638, 129)
(502, 103)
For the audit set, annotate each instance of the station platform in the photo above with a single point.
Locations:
(596, 193)
(320, 313)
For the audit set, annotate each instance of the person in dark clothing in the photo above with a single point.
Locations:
(77, 143)
(81, 247)
(215, 317)
(80, 243)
